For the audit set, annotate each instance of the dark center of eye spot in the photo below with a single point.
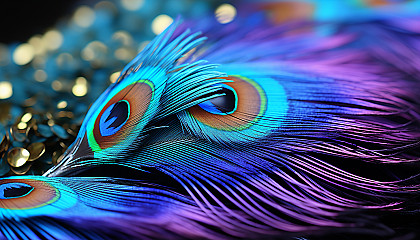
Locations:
(120, 112)
(114, 117)
(14, 190)
(226, 103)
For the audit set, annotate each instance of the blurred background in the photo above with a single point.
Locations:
(56, 57)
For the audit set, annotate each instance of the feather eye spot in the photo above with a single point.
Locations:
(19, 194)
(123, 111)
(243, 103)
(259, 99)
(14, 190)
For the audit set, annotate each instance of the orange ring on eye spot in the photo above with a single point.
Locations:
(41, 195)
(138, 95)
(251, 104)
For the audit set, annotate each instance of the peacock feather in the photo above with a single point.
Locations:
(242, 131)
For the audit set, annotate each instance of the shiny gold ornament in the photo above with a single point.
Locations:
(31, 126)
(21, 170)
(4, 144)
(17, 135)
(17, 157)
(36, 150)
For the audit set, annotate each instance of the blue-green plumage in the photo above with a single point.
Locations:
(92, 208)
(258, 130)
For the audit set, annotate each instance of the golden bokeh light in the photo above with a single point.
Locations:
(124, 54)
(93, 50)
(62, 104)
(160, 23)
(26, 117)
(122, 36)
(52, 39)
(80, 88)
(23, 54)
(113, 78)
(81, 80)
(38, 44)
(6, 90)
(22, 125)
(64, 59)
(40, 75)
(84, 16)
(57, 85)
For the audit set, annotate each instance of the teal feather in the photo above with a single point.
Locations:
(98, 208)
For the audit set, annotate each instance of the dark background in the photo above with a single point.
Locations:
(22, 19)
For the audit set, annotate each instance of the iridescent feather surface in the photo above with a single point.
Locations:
(247, 130)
